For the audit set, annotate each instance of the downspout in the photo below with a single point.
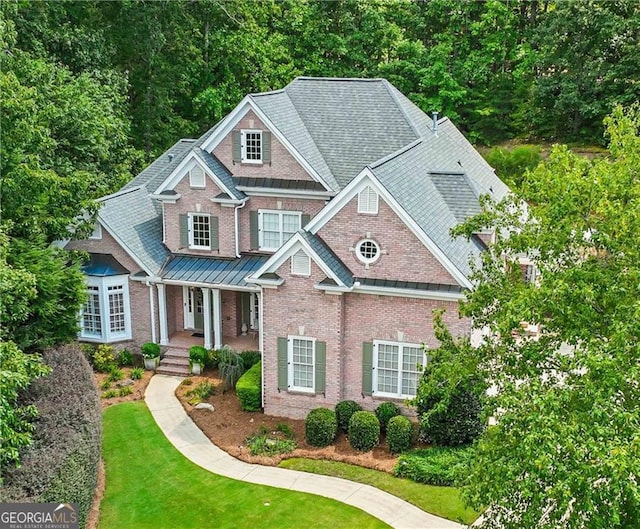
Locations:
(261, 340)
(152, 306)
(235, 213)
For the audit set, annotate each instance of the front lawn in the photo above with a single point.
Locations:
(151, 485)
(441, 501)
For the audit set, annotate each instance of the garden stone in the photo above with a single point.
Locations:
(204, 406)
(125, 382)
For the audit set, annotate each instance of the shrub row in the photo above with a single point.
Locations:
(248, 388)
(62, 464)
(362, 427)
(434, 466)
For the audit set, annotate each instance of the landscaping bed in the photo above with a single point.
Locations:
(229, 427)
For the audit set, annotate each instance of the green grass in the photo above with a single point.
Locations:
(441, 501)
(151, 485)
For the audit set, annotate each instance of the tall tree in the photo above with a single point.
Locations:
(566, 447)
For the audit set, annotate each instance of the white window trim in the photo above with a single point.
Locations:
(107, 336)
(280, 213)
(96, 234)
(291, 366)
(297, 272)
(197, 185)
(364, 205)
(401, 346)
(193, 246)
(243, 146)
(364, 259)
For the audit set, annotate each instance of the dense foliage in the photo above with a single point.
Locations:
(320, 427)
(384, 412)
(62, 464)
(399, 434)
(344, 410)
(500, 69)
(433, 466)
(249, 388)
(364, 430)
(250, 358)
(566, 445)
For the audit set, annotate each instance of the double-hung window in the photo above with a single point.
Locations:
(106, 314)
(397, 368)
(251, 146)
(199, 231)
(276, 228)
(302, 363)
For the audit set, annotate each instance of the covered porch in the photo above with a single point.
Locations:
(185, 339)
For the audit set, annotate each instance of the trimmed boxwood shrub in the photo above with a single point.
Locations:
(434, 466)
(399, 434)
(344, 411)
(250, 358)
(62, 464)
(248, 388)
(320, 427)
(364, 430)
(385, 411)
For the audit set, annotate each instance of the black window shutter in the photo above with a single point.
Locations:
(367, 368)
(304, 220)
(253, 230)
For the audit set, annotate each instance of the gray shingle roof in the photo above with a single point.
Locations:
(212, 270)
(328, 257)
(456, 192)
(136, 220)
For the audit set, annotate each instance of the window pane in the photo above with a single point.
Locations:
(387, 368)
(302, 363)
(116, 309)
(290, 225)
(201, 230)
(92, 320)
(411, 357)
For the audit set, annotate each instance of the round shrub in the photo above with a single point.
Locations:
(320, 427)
(399, 434)
(364, 430)
(344, 411)
(385, 411)
(104, 358)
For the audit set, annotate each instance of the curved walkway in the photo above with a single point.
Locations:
(194, 445)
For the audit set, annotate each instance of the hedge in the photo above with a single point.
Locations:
(433, 466)
(250, 358)
(320, 427)
(364, 430)
(62, 464)
(248, 389)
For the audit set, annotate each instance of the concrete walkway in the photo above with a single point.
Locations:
(194, 445)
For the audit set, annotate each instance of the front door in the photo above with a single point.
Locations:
(195, 309)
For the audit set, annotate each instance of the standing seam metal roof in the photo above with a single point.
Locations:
(212, 270)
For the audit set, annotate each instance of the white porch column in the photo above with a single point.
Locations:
(162, 313)
(206, 310)
(152, 309)
(217, 318)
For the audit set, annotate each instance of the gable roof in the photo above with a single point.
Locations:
(135, 221)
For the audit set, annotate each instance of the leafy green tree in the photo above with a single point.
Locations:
(565, 450)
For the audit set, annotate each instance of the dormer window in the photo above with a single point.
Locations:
(197, 177)
(368, 201)
(251, 146)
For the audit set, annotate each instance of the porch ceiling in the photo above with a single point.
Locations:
(212, 270)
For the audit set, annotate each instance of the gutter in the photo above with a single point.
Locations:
(236, 227)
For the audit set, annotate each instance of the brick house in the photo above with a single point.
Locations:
(315, 220)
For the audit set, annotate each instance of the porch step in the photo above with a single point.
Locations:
(174, 362)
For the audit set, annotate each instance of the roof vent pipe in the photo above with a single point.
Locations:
(434, 129)
(171, 155)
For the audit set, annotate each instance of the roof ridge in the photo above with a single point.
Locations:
(267, 93)
(120, 193)
(358, 79)
(395, 154)
(394, 96)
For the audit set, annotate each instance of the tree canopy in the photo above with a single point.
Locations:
(565, 449)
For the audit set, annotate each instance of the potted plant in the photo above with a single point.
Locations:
(197, 358)
(151, 355)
